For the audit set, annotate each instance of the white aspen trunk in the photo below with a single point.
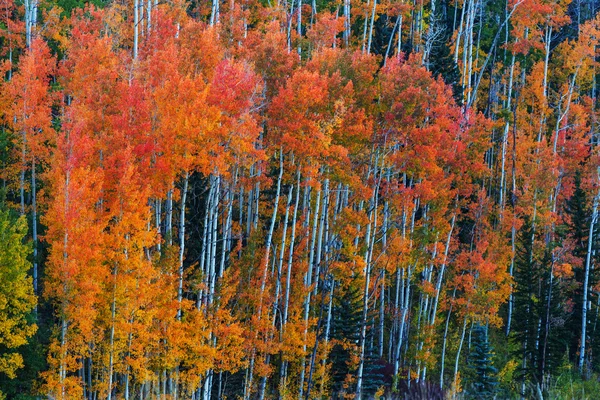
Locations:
(468, 53)
(169, 217)
(30, 20)
(320, 238)
(136, 22)
(307, 285)
(205, 242)
(389, 46)
(371, 26)
(127, 373)
(249, 208)
(444, 341)
(62, 374)
(460, 345)
(567, 108)
(460, 31)
(347, 26)
(34, 229)
(226, 248)
(63, 330)
(213, 249)
(396, 322)
(548, 40)
(283, 370)
(270, 235)
(291, 255)
(586, 277)
(265, 266)
(112, 335)
(429, 40)
(27, 4)
(511, 300)
(149, 15)
(381, 313)
(326, 338)
(405, 308)
(438, 287)
(282, 251)
(505, 138)
(367, 272)
(405, 288)
(263, 381)
(365, 26)
(142, 19)
(299, 27)
(255, 208)
(23, 166)
(399, 50)
(214, 16)
(289, 26)
(157, 222)
(182, 242)
(513, 232)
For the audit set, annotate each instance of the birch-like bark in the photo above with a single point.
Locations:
(460, 345)
(365, 26)
(288, 277)
(268, 242)
(505, 139)
(169, 217)
(136, 22)
(31, 7)
(182, 242)
(205, 242)
(214, 16)
(35, 231)
(299, 27)
(367, 271)
(438, 287)
(307, 285)
(389, 46)
(263, 381)
(265, 267)
(586, 278)
(149, 15)
(347, 26)
(371, 26)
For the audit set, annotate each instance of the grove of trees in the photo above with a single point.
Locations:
(281, 199)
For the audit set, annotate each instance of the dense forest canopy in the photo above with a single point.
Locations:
(299, 199)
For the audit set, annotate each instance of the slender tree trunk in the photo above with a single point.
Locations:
(35, 230)
(182, 242)
(136, 22)
(23, 167)
(283, 370)
(586, 279)
(265, 269)
(169, 217)
(307, 284)
(371, 26)
(460, 345)
(347, 25)
(367, 271)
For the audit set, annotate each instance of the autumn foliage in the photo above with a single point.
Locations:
(270, 200)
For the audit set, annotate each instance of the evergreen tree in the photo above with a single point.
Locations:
(374, 368)
(576, 230)
(526, 303)
(345, 332)
(555, 334)
(481, 359)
